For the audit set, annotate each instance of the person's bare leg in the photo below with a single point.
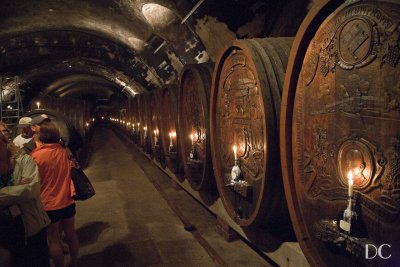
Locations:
(55, 246)
(64, 245)
(68, 226)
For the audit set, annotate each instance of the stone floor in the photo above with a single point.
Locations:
(137, 218)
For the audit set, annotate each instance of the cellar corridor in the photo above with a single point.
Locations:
(215, 132)
(131, 219)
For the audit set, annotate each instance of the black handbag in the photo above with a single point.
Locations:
(83, 187)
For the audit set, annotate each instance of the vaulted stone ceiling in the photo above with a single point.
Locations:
(99, 48)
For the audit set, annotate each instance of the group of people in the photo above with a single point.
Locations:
(36, 204)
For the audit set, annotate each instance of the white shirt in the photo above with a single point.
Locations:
(20, 141)
(26, 196)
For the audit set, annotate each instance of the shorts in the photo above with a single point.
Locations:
(62, 214)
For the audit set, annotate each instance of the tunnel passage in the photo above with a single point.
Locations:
(94, 62)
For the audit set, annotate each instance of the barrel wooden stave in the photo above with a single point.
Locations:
(245, 103)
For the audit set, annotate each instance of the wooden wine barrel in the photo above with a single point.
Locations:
(134, 110)
(138, 119)
(143, 120)
(340, 134)
(168, 127)
(131, 111)
(149, 106)
(155, 128)
(152, 116)
(193, 116)
(76, 111)
(245, 106)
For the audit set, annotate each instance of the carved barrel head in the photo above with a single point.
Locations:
(342, 116)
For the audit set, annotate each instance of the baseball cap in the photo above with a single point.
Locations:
(24, 122)
(37, 120)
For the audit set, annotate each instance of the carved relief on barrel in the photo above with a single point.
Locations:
(168, 127)
(245, 103)
(194, 125)
(341, 136)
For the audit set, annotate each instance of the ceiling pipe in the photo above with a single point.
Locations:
(192, 11)
(161, 45)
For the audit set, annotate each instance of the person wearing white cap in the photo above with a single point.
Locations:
(25, 124)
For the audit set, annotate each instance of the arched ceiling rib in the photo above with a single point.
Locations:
(77, 80)
(85, 90)
(25, 51)
(106, 18)
(42, 75)
(101, 32)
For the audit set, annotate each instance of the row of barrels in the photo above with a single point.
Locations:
(177, 121)
(309, 123)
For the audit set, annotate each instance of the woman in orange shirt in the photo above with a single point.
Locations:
(56, 192)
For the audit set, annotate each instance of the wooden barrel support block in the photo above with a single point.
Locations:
(194, 120)
(341, 134)
(245, 106)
